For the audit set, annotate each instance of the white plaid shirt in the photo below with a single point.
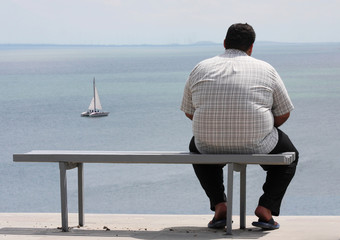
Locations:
(233, 98)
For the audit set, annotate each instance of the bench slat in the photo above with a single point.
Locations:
(166, 157)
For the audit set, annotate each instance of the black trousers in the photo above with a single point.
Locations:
(274, 188)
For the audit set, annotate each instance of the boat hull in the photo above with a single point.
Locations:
(99, 114)
(85, 114)
(95, 114)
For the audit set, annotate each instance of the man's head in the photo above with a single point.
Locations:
(240, 36)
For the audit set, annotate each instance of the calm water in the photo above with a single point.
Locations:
(44, 89)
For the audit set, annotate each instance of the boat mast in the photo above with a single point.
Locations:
(94, 95)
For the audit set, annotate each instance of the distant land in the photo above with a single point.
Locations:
(201, 43)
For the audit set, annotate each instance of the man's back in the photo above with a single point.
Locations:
(233, 98)
(237, 104)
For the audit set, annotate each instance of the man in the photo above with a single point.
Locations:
(236, 104)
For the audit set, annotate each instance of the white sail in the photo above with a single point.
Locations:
(95, 105)
(95, 100)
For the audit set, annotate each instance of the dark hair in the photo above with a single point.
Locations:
(239, 36)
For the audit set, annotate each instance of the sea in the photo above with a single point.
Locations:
(44, 89)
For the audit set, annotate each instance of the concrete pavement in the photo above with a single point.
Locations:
(34, 226)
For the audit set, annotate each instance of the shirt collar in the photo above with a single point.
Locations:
(235, 52)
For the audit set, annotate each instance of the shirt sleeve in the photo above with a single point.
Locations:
(187, 105)
(282, 103)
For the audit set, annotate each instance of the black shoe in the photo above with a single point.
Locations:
(217, 224)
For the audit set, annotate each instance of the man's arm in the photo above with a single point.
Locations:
(189, 116)
(279, 120)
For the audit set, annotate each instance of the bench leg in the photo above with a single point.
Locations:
(230, 197)
(63, 194)
(80, 194)
(243, 176)
(242, 169)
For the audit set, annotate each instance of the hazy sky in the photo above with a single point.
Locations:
(165, 21)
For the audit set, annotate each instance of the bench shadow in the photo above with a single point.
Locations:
(166, 233)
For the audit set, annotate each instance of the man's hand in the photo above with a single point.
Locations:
(279, 120)
(189, 116)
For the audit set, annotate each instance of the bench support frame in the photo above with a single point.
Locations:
(232, 167)
(63, 167)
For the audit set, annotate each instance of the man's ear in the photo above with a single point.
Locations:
(250, 50)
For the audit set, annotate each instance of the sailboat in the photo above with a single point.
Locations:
(95, 107)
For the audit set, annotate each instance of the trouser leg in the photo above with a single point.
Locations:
(278, 176)
(210, 177)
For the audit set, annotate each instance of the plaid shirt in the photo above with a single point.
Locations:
(233, 98)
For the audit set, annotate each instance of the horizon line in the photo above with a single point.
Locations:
(200, 43)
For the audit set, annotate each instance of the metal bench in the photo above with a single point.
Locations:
(72, 159)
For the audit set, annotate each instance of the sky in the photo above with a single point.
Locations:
(126, 22)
